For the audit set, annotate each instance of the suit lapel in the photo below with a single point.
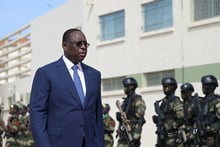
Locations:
(88, 80)
(67, 80)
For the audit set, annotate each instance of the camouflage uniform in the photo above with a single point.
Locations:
(211, 111)
(12, 127)
(2, 128)
(109, 126)
(24, 131)
(28, 132)
(172, 109)
(189, 112)
(134, 107)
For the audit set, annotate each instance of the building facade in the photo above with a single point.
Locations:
(146, 39)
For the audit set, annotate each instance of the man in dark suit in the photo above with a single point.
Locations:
(59, 116)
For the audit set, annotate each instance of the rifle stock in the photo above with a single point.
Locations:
(161, 132)
(200, 123)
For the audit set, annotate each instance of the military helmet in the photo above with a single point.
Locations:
(23, 107)
(186, 87)
(107, 106)
(169, 81)
(209, 79)
(129, 81)
(15, 107)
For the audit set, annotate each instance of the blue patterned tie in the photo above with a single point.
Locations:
(78, 83)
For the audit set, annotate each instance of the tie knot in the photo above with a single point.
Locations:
(75, 67)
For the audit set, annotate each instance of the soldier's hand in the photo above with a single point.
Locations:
(155, 119)
(118, 116)
(118, 132)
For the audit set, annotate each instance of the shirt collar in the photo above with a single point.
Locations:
(69, 64)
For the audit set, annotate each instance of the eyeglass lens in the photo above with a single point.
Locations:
(80, 43)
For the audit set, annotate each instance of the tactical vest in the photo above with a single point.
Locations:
(210, 108)
(166, 107)
(128, 105)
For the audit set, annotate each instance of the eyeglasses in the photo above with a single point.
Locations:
(80, 43)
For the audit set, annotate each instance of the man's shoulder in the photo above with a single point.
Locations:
(90, 68)
(110, 118)
(138, 99)
(176, 98)
(217, 96)
(52, 64)
(138, 96)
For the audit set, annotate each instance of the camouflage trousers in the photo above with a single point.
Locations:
(172, 140)
(12, 142)
(109, 141)
(123, 143)
(19, 142)
(208, 142)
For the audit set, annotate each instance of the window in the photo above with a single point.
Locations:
(157, 15)
(112, 25)
(204, 9)
(112, 84)
(154, 78)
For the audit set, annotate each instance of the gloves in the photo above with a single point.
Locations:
(118, 116)
(155, 119)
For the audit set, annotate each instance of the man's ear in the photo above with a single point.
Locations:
(64, 45)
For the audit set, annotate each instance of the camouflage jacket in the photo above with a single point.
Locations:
(172, 108)
(211, 107)
(135, 107)
(109, 124)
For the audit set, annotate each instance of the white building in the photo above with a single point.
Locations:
(146, 39)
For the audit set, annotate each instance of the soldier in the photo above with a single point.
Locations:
(109, 126)
(133, 107)
(28, 132)
(186, 90)
(2, 127)
(21, 117)
(24, 126)
(12, 127)
(170, 116)
(211, 112)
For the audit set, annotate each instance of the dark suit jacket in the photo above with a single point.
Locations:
(58, 118)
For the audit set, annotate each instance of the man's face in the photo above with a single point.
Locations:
(75, 47)
(12, 110)
(186, 94)
(207, 88)
(167, 89)
(128, 90)
(105, 110)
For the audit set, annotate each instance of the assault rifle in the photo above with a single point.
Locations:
(161, 132)
(125, 127)
(200, 117)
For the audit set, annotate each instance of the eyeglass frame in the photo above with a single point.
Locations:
(80, 43)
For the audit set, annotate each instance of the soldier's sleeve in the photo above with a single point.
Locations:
(179, 113)
(140, 108)
(112, 124)
(218, 109)
(215, 126)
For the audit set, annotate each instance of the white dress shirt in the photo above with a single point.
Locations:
(69, 66)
